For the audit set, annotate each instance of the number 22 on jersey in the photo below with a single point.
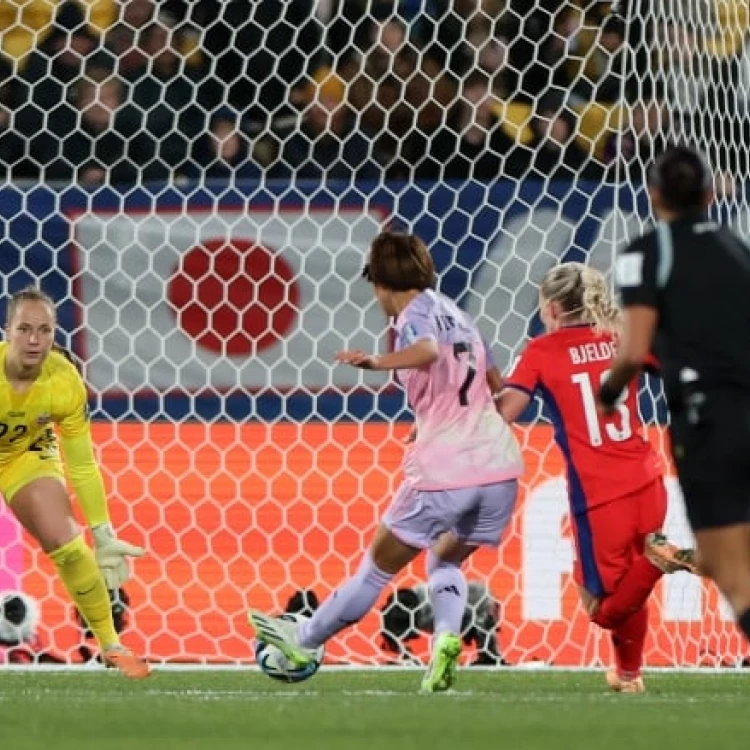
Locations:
(616, 433)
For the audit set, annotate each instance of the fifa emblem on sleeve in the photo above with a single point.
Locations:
(629, 270)
(409, 334)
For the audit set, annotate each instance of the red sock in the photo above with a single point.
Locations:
(629, 640)
(629, 596)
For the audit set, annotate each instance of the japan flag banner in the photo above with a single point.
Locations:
(225, 299)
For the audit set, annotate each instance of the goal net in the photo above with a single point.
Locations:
(197, 185)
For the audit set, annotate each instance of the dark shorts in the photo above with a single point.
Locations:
(712, 456)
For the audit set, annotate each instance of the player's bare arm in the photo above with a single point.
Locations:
(511, 403)
(420, 354)
(494, 380)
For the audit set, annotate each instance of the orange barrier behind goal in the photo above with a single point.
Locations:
(241, 515)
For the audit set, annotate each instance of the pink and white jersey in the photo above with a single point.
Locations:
(461, 439)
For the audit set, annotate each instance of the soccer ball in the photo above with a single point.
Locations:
(274, 664)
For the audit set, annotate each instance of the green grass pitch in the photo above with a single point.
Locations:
(373, 710)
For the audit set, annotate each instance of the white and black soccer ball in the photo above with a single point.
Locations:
(19, 617)
(274, 664)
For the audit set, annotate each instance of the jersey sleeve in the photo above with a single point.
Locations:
(636, 272)
(78, 450)
(74, 420)
(525, 373)
(417, 325)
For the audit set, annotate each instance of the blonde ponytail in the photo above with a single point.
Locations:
(583, 294)
(599, 308)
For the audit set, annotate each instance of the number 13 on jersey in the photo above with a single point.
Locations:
(594, 422)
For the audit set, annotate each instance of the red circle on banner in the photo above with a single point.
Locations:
(233, 296)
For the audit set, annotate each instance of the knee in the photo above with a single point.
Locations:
(53, 536)
(607, 621)
(58, 539)
(590, 601)
(371, 573)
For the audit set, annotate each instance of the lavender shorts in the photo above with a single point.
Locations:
(476, 515)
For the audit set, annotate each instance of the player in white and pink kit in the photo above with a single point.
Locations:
(461, 468)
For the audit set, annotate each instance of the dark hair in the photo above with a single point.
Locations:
(27, 294)
(400, 262)
(682, 175)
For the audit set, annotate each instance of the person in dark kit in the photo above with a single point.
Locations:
(685, 285)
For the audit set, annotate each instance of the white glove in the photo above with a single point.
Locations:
(111, 555)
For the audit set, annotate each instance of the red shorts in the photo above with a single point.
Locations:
(610, 536)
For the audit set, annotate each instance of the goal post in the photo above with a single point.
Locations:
(198, 193)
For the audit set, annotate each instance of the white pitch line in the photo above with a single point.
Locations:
(94, 668)
(454, 695)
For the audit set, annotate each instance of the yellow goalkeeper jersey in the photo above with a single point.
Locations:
(29, 443)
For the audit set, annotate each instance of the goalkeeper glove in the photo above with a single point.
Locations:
(111, 555)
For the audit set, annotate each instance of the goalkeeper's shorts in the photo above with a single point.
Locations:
(28, 467)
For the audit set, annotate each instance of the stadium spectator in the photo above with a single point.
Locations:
(10, 144)
(327, 143)
(258, 52)
(137, 14)
(27, 24)
(163, 93)
(128, 57)
(473, 143)
(99, 146)
(637, 147)
(58, 60)
(468, 34)
(399, 65)
(488, 51)
(224, 151)
(41, 88)
(401, 92)
(92, 136)
(557, 155)
(604, 64)
(530, 30)
(386, 61)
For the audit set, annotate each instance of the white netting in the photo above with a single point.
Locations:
(197, 186)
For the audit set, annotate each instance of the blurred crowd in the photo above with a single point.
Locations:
(101, 91)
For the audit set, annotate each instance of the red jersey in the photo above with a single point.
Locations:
(607, 457)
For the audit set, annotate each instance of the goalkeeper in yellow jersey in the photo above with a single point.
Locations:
(40, 388)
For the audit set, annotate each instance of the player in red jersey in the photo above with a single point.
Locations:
(615, 479)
